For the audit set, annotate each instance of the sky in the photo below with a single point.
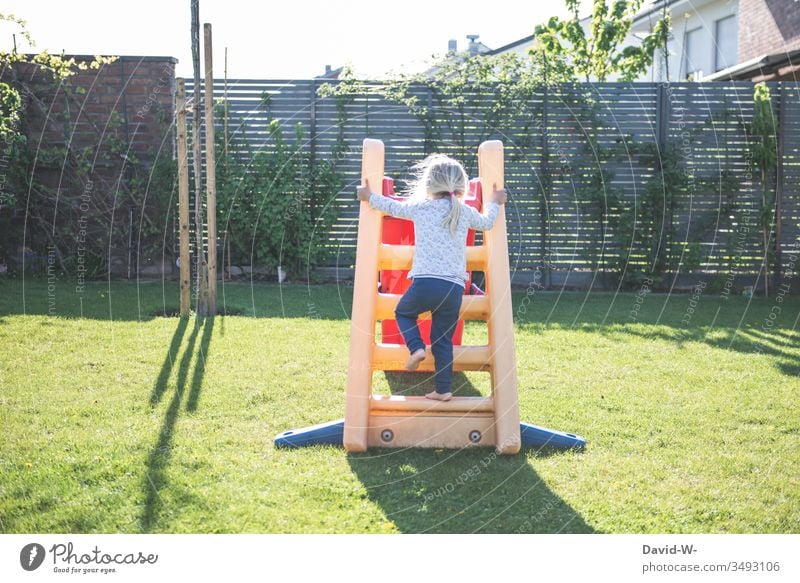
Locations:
(290, 39)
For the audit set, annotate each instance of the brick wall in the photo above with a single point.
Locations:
(118, 120)
(769, 27)
(131, 99)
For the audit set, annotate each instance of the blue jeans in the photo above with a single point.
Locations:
(443, 299)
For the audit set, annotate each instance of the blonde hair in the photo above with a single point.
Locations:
(439, 175)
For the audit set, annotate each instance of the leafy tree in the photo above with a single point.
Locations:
(459, 90)
(762, 137)
(570, 54)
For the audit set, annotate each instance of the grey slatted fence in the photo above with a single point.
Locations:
(556, 143)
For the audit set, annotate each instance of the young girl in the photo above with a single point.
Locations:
(438, 272)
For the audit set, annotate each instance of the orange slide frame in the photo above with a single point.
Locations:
(396, 421)
(400, 421)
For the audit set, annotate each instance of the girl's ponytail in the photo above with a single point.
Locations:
(452, 218)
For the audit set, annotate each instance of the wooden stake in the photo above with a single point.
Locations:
(183, 195)
(211, 173)
(202, 269)
(225, 110)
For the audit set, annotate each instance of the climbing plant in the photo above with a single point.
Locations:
(274, 206)
(591, 176)
(644, 227)
(492, 92)
(84, 213)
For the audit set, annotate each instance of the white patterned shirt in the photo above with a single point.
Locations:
(437, 253)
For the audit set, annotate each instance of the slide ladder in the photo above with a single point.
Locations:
(404, 421)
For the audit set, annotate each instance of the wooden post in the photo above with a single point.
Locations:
(225, 113)
(197, 158)
(362, 327)
(547, 190)
(779, 177)
(183, 194)
(228, 239)
(501, 317)
(211, 177)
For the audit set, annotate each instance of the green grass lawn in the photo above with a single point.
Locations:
(115, 418)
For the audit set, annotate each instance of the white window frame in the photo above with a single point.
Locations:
(717, 66)
(685, 58)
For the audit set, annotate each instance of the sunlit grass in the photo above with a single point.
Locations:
(126, 421)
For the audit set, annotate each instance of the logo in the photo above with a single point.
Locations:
(31, 556)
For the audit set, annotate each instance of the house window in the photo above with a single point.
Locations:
(692, 54)
(725, 43)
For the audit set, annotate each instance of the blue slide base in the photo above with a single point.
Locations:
(330, 433)
(539, 437)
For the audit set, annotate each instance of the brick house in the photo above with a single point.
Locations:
(714, 40)
(769, 42)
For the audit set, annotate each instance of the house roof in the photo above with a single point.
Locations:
(331, 74)
(763, 65)
(482, 50)
(655, 7)
(510, 46)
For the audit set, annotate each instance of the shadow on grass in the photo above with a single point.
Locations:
(125, 301)
(782, 345)
(464, 491)
(419, 383)
(169, 361)
(158, 461)
(471, 490)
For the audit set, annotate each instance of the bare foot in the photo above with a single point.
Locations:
(439, 396)
(413, 361)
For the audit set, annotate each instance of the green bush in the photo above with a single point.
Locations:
(273, 208)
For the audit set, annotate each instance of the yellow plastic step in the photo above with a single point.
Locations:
(472, 307)
(465, 358)
(405, 404)
(400, 257)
